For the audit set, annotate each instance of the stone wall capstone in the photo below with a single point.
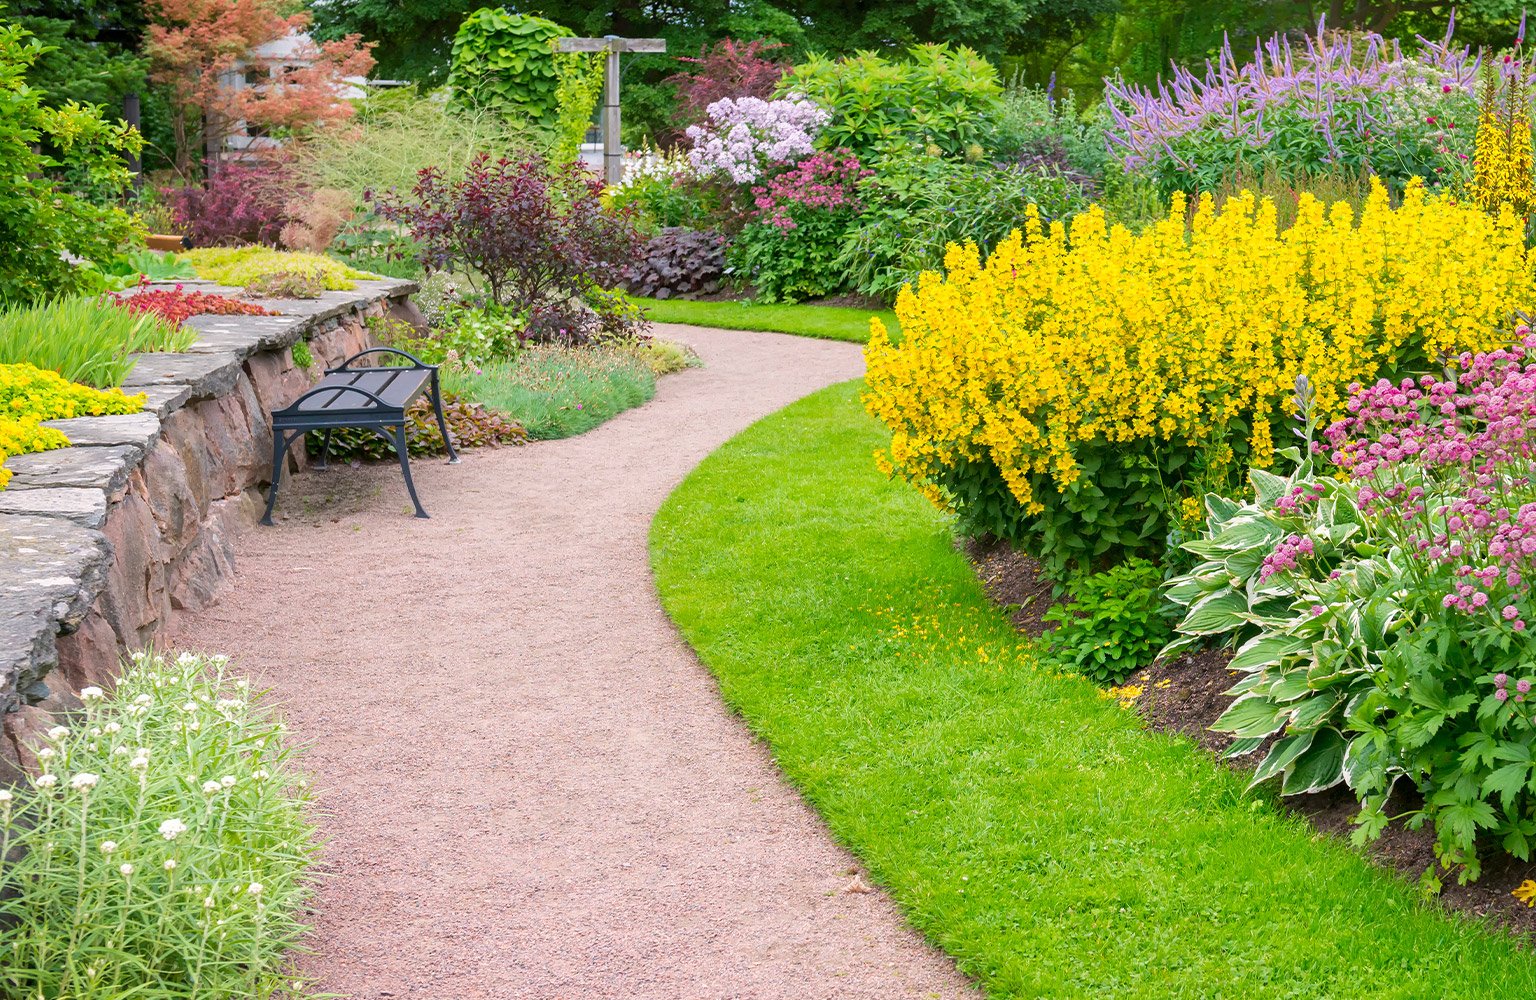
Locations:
(101, 543)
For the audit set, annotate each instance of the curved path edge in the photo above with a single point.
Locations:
(529, 786)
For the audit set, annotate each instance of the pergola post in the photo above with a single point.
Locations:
(612, 46)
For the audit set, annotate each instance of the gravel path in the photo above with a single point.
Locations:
(529, 786)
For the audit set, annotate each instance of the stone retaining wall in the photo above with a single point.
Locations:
(102, 542)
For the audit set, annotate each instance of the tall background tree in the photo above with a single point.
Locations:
(194, 45)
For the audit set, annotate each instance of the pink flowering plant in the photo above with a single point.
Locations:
(743, 138)
(800, 219)
(1382, 612)
(824, 182)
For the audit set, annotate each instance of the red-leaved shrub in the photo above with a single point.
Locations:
(726, 69)
(239, 203)
(176, 304)
(538, 234)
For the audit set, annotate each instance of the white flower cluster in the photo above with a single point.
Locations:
(744, 136)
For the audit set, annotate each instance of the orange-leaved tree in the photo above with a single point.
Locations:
(201, 48)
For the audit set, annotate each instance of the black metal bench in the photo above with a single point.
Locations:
(372, 398)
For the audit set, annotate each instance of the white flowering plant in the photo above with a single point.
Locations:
(161, 850)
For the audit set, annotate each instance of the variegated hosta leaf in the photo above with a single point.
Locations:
(1215, 614)
(1252, 715)
(1319, 767)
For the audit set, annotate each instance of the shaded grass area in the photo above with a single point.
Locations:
(824, 322)
(557, 392)
(1027, 825)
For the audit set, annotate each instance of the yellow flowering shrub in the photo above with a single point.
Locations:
(30, 395)
(241, 266)
(1077, 388)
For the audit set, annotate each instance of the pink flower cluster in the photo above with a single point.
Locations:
(744, 136)
(1448, 461)
(826, 182)
(1501, 687)
(1300, 496)
(1287, 556)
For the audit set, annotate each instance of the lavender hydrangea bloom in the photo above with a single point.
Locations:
(744, 136)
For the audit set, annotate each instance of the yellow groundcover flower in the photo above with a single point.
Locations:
(1191, 332)
(29, 396)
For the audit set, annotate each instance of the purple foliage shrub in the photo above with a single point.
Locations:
(538, 235)
(239, 203)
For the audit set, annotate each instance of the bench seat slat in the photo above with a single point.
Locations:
(397, 387)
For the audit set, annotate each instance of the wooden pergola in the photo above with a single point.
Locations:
(613, 46)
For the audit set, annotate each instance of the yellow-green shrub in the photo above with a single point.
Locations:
(1077, 390)
(30, 395)
(241, 266)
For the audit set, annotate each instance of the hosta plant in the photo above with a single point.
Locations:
(1383, 615)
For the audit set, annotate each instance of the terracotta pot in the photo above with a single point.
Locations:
(174, 244)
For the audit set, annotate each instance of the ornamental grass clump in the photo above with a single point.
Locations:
(1076, 391)
(85, 339)
(1383, 611)
(161, 850)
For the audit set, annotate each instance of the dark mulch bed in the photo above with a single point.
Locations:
(1186, 695)
(1013, 582)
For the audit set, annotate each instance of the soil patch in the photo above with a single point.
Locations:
(1014, 582)
(1186, 695)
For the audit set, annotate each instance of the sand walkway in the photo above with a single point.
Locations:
(528, 784)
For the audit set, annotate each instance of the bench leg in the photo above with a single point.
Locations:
(402, 450)
(442, 425)
(280, 443)
(325, 451)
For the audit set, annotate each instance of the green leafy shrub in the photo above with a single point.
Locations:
(1034, 126)
(507, 63)
(240, 267)
(557, 391)
(40, 222)
(480, 336)
(85, 339)
(1115, 623)
(302, 356)
(939, 96)
(472, 426)
(162, 852)
(916, 206)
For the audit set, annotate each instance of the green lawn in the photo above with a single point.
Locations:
(826, 322)
(1031, 828)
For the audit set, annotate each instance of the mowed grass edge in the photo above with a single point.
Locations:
(823, 322)
(1029, 827)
